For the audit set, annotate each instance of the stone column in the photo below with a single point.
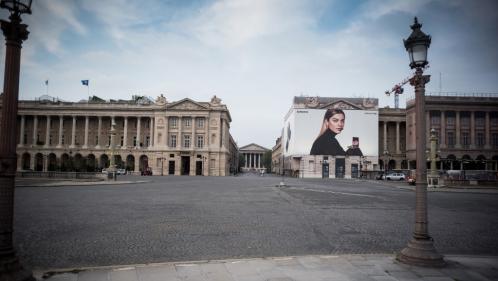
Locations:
(73, 133)
(125, 133)
(47, 132)
(138, 133)
(259, 162)
(151, 132)
(472, 130)
(112, 141)
(179, 139)
(45, 162)
(87, 120)
(457, 130)
(487, 127)
(428, 127)
(385, 136)
(194, 140)
(442, 133)
(35, 130)
(166, 134)
(137, 164)
(397, 138)
(61, 129)
(99, 131)
(21, 137)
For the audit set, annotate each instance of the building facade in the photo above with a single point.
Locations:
(170, 138)
(303, 124)
(466, 126)
(253, 157)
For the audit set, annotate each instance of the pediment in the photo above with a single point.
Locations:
(253, 147)
(342, 104)
(187, 104)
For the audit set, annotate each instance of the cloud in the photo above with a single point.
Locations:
(255, 55)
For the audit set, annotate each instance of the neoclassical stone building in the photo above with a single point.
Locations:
(185, 137)
(466, 126)
(253, 157)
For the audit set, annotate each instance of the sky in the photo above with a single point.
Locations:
(255, 55)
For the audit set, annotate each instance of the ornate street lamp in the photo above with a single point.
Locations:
(112, 166)
(15, 33)
(420, 250)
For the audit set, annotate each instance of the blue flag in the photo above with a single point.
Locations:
(84, 82)
(46, 82)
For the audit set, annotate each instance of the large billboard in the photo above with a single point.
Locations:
(340, 132)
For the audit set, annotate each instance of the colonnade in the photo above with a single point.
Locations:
(253, 160)
(97, 144)
(462, 129)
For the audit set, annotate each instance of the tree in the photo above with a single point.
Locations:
(242, 161)
(267, 160)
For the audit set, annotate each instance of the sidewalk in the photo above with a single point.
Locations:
(378, 267)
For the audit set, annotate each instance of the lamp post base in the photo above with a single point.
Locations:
(421, 252)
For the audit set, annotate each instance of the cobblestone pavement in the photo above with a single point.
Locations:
(301, 268)
(174, 219)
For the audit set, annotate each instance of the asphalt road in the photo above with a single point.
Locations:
(196, 218)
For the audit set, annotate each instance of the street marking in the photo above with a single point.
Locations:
(335, 192)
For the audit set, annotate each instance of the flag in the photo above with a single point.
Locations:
(46, 82)
(84, 82)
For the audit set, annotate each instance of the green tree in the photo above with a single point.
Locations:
(267, 161)
(242, 161)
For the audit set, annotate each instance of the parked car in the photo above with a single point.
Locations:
(104, 171)
(146, 172)
(121, 171)
(395, 176)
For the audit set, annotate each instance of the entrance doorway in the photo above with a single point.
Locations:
(354, 171)
(325, 170)
(171, 168)
(340, 163)
(185, 165)
(198, 168)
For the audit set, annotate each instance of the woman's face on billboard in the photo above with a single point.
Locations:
(336, 123)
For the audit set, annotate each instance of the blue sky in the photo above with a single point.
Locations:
(256, 55)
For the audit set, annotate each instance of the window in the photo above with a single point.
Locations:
(200, 141)
(174, 122)
(109, 141)
(159, 138)
(480, 122)
(480, 139)
(96, 140)
(134, 140)
(187, 122)
(25, 138)
(450, 139)
(435, 118)
(62, 141)
(147, 141)
(122, 140)
(200, 123)
(465, 139)
(50, 140)
(172, 140)
(186, 141)
(494, 140)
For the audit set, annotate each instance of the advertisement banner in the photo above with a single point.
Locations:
(331, 132)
